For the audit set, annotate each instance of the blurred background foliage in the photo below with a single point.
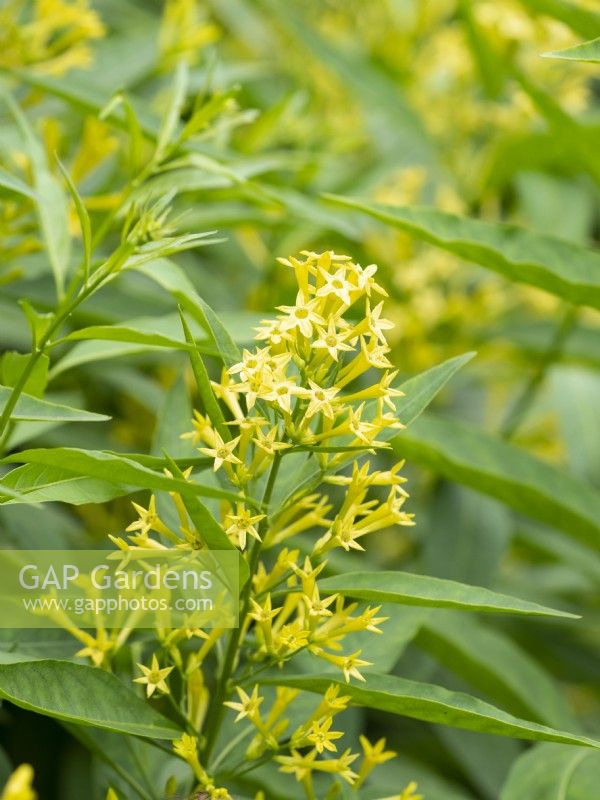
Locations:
(445, 103)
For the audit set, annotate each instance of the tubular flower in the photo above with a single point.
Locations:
(19, 785)
(154, 677)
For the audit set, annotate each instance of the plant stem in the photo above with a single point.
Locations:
(217, 710)
(64, 310)
(520, 407)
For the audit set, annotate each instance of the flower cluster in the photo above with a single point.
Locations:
(315, 394)
(55, 38)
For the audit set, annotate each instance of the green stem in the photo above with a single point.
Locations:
(217, 709)
(522, 404)
(62, 313)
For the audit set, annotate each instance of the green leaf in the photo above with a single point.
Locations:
(50, 200)
(37, 483)
(492, 663)
(83, 695)
(423, 590)
(430, 703)
(147, 334)
(38, 322)
(563, 268)
(84, 220)
(173, 420)
(466, 455)
(205, 390)
(553, 772)
(587, 51)
(423, 388)
(12, 366)
(35, 410)
(207, 526)
(13, 184)
(170, 120)
(113, 467)
(172, 278)
(131, 335)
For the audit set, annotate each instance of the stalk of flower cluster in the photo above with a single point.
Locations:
(223, 689)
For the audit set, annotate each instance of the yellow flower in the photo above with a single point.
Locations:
(374, 755)
(301, 766)
(376, 325)
(269, 442)
(409, 793)
(301, 316)
(184, 32)
(290, 638)
(54, 39)
(186, 747)
(154, 677)
(96, 648)
(332, 339)
(332, 703)
(242, 525)
(248, 705)
(317, 607)
(337, 285)
(19, 785)
(320, 400)
(322, 737)
(202, 430)
(281, 393)
(222, 452)
(148, 520)
(348, 664)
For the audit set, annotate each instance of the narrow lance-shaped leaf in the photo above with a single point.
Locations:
(209, 530)
(469, 456)
(13, 184)
(493, 664)
(587, 51)
(33, 409)
(172, 278)
(203, 384)
(149, 333)
(50, 200)
(566, 269)
(430, 703)
(113, 467)
(553, 772)
(170, 120)
(424, 590)
(37, 483)
(130, 335)
(83, 695)
(84, 220)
